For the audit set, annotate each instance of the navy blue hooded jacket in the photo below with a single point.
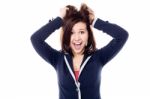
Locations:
(88, 84)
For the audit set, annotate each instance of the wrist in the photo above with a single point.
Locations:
(60, 16)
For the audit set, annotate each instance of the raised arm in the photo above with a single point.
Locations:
(119, 36)
(38, 39)
(42, 48)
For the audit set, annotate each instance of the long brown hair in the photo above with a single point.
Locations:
(72, 17)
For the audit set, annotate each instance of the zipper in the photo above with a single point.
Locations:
(77, 83)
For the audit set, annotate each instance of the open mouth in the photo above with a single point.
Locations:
(77, 45)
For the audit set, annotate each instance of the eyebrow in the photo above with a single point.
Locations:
(82, 29)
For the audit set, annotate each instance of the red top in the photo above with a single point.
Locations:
(76, 74)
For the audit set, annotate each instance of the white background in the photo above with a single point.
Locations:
(24, 75)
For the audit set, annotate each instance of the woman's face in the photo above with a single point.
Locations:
(79, 38)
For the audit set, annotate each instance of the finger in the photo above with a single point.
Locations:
(67, 8)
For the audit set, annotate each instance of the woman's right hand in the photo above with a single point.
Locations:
(91, 15)
(63, 12)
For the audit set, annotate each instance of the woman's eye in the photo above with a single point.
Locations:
(82, 32)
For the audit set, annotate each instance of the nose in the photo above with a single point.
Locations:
(77, 37)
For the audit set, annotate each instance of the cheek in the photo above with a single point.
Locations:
(86, 38)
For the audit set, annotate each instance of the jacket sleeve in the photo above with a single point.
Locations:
(42, 48)
(119, 36)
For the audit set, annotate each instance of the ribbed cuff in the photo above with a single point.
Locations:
(94, 21)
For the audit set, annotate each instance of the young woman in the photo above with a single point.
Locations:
(79, 63)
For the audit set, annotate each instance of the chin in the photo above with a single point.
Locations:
(78, 52)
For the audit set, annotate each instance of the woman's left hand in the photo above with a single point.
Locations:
(91, 15)
(63, 12)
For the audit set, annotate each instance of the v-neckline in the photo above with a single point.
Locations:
(77, 63)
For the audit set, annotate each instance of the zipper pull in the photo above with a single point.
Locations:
(78, 86)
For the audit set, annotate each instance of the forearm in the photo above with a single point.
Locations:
(115, 31)
(47, 29)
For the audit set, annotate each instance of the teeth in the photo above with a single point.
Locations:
(77, 43)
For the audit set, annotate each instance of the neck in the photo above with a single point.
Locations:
(78, 55)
